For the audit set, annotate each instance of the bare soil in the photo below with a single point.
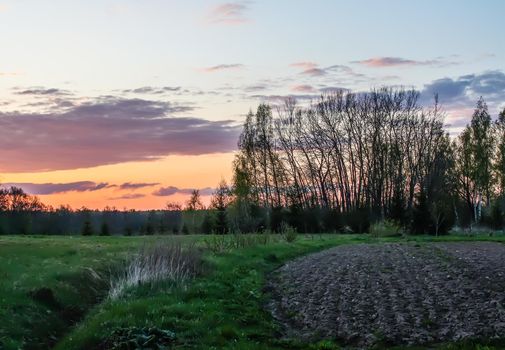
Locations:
(393, 294)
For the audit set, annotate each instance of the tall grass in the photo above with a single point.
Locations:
(386, 228)
(224, 243)
(167, 261)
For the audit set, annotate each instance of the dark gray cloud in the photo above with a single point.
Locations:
(465, 90)
(171, 190)
(134, 186)
(52, 188)
(39, 91)
(108, 130)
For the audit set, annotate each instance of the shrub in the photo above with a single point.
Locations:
(358, 220)
(168, 261)
(288, 233)
(386, 228)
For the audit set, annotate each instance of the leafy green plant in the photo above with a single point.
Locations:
(386, 228)
(288, 233)
(134, 338)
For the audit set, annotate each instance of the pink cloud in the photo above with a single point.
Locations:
(221, 67)
(302, 88)
(229, 13)
(381, 62)
(109, 130)
(314, 72)
(304, 65)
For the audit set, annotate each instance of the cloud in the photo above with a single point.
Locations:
(129, 196)
(381, 62)
(52, 188)
(313, 69)
(229, 13)
(315, 72)
(304, 65)
(134, 186)
(153, 90)
(108, 130)
(303, 88)
(466, 89)
(458, 96)
(279, 99)
(221, 67)
(37, 91)
(171, 190)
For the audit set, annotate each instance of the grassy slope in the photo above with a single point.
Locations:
(29, 263)
(222, 309)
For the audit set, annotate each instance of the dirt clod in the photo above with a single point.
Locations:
(394, 294)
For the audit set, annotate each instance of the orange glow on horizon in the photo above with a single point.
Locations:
(183, 172)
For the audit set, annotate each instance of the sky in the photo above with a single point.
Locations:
(131, 103)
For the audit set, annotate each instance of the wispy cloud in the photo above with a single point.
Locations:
(315, 72)
(303, 88)
(135, 186)
(229, 13)
(221, 67)
(382, 62)
(171, 190)
(313, 69)
(129, 196)
(304, 65)
(39, 91)
(148, 90)
(52, 188)
(108, 130)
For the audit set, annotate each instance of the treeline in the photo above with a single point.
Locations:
(352, 159)
(21, 213)
(343, 163)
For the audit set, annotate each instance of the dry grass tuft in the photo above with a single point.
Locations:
(168, 261)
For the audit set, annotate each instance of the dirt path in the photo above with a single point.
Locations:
(393, 293)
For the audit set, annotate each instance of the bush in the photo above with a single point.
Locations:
(358, 220)
(288, 233)
(386, 228)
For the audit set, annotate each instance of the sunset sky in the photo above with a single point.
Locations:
(133, 103)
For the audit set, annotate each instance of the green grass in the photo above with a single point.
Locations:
(28, 263)
(221, 309)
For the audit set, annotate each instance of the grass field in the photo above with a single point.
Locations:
(222, 308)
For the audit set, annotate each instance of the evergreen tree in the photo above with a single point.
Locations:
(220, 201)
(104, 229)
(87, 228)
